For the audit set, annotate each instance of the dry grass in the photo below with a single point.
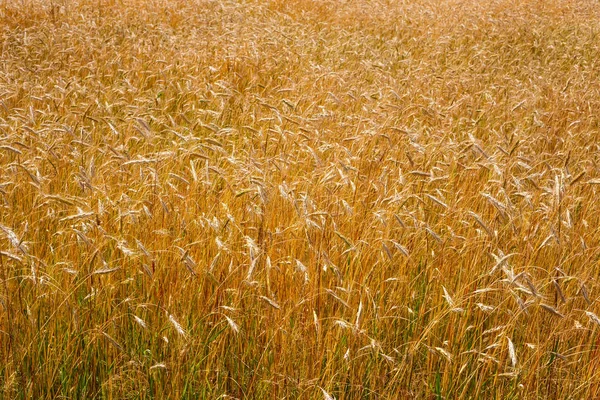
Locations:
(299, 199)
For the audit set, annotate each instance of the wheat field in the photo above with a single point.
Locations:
(299, 199)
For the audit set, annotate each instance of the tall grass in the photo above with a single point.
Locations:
(299, 199)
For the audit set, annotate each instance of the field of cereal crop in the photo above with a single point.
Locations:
(299, 199)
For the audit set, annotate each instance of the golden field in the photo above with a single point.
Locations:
(362, 199)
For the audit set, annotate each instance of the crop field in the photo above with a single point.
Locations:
(299, 199)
